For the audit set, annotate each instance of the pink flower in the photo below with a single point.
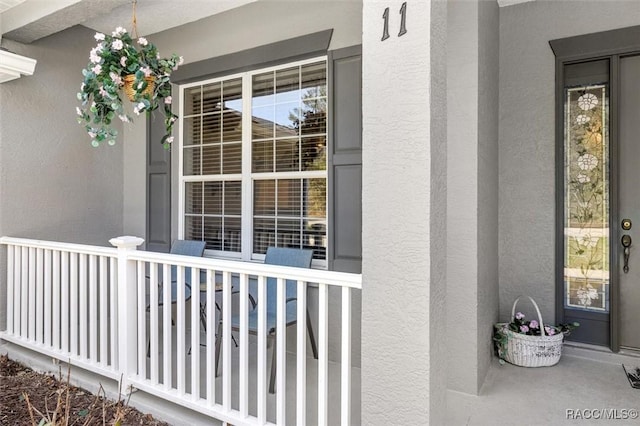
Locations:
(94, 57)
(142, 41)
(147, 71)
(168, 100)
(519, 315)
(117, 44)
(534, 324)
(118, 32)
(117, 80)
(123, 61)
(102, 91)
(550, 331)
(97, 69)
(524, 328)
(99, 36)
(138, 108)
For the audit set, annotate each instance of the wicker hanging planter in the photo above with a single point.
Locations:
(130, 90)
(113, 65)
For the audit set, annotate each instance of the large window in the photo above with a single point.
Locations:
(254, 163)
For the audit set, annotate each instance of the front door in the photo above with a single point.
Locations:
(599, 196)
(629, 203)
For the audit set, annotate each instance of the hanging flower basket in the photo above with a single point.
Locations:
(130, 90)
(119, 66)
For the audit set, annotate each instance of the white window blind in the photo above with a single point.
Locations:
(277, 119)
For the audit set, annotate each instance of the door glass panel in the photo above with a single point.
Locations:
(586, 198)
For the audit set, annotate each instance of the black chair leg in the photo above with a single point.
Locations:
(218, 344)
(274, 359)
(312, 337)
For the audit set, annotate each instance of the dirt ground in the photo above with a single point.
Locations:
(50, 396)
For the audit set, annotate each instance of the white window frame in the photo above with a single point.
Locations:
(247, 177)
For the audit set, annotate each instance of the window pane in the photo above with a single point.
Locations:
(232, 126)
(192, 101)
(211, 160)
(263, 235)
(213, 198)
(233, 198)
(288, 85)
(287, 156)
(193, 228)
(315, 198)
(211, 94)
(262, 156)
(232, 94)
(314, 116)
(192, 130)
(193, 197)
(586, 198)
(232, 158)
(264, 197)
(232, 238)
(314, 153)
(288, 197)
(314, 79)
(288, 232)
(191, 164)
(262, 122)
(211, 129)
(287, 120)
(263, 89)
(315, 237)
(213, 233)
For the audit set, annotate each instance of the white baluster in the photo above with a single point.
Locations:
(126, 307)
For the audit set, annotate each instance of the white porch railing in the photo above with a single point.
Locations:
(102, 309)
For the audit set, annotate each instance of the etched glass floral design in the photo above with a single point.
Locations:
(586, 184)
(582, 119)
(587, 102)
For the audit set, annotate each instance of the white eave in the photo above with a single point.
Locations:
(13, 66)
(503, 3)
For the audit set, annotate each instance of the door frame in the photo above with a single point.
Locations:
(611, 45)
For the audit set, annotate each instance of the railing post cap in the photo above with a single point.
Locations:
(126, 242)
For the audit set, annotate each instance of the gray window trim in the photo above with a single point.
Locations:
(291, 50)
(606, 43)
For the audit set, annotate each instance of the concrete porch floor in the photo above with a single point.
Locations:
(585, 379)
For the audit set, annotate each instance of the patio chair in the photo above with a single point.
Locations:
(183, 248)
(275, 256)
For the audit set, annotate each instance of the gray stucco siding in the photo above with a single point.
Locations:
(527, 137)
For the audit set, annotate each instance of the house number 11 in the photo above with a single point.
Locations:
(403, 22)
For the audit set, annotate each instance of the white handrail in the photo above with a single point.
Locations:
(53, 245)
(106, 318)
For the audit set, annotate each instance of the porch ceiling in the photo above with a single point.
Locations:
(30, 20)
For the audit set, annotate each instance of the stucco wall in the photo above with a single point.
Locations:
(403, 204)
(472, 189)
(527, 160)
(53, 184)
(488, 289)
(462, 194)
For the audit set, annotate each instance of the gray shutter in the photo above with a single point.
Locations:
(345, 160)
(158, 186)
